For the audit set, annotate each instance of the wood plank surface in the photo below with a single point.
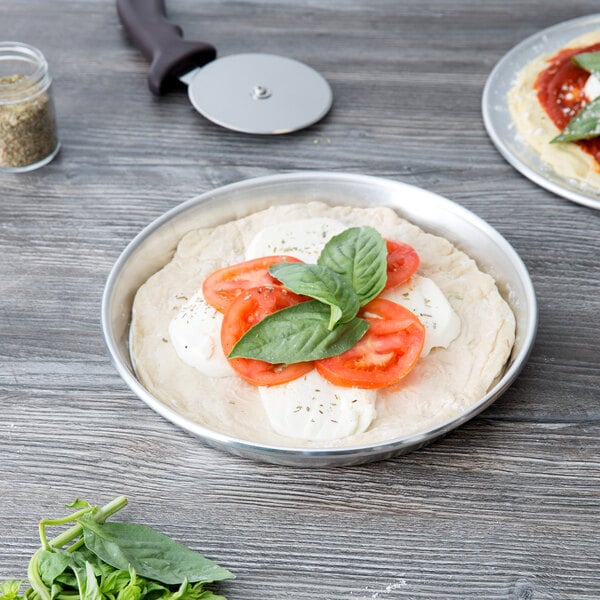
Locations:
(505, 507)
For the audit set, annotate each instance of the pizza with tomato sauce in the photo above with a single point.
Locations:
(547, 96)
(395, 378)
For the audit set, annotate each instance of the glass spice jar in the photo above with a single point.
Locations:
(28, 137)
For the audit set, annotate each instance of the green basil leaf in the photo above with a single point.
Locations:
(87, 583)
(66, 579)
(77, 503)
(9, 590)
(360, 255)
(151, 553)
(298, 333)
(112, 582)
(133, 590)
(583, 126)
(187, 591)
(320, 283)
(51, 565)
(590, 61)
(208, 595)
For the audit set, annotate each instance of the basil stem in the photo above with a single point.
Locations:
(99, 516)
(68, 519)
(35, 581)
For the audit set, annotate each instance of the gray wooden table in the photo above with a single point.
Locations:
(507, 506)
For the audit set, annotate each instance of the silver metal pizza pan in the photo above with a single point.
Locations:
(151, 249)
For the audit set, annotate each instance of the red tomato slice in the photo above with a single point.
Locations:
(221, 287)
(247, 309)
(402, 262)
(384, 355)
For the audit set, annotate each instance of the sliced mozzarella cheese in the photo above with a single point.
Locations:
(195, 333)
(311, 408)
(592, 87)
(425, 299)
(303, 239)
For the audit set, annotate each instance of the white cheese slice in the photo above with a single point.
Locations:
(592, 87)
(425, 299)
(311, 408)
(303, 239)
(195, 333)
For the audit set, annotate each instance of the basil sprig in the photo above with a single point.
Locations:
(94, 560)
(586, 123)
(351, 271)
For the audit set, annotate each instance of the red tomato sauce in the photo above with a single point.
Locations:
(560, 92)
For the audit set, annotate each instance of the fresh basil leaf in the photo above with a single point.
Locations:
(151, 553)
(66, 579)
(320, 283)
(51, 565)
(360, 255)
(154, 590)
(583, 126)
(202, 595)
(9, 590)
(56, 590)
(188, 591)
(112, 582)
(87, 583)
(77, 503)
(83, 555)
(208, 595)
(133, 590)
(298, 333)
(590, 61)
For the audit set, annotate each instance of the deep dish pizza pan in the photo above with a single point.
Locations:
(151, 249)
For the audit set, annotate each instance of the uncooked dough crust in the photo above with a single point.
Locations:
(536, 129)
(441, 386)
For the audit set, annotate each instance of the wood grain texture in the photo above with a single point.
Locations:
(506, 507)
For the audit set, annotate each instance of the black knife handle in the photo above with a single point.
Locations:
(161, 43)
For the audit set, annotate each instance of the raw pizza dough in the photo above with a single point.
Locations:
(441, 386)
(536, 129)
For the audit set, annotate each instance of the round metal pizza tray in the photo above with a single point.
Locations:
(151, 249)
(498, 120)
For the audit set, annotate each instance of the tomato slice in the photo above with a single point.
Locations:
(247, 309)
(402, 263)
(384, 355)
(221, 287)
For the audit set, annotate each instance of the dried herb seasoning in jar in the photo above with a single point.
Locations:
(28, 137)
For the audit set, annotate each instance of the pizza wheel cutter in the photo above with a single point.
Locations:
(250, 93)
